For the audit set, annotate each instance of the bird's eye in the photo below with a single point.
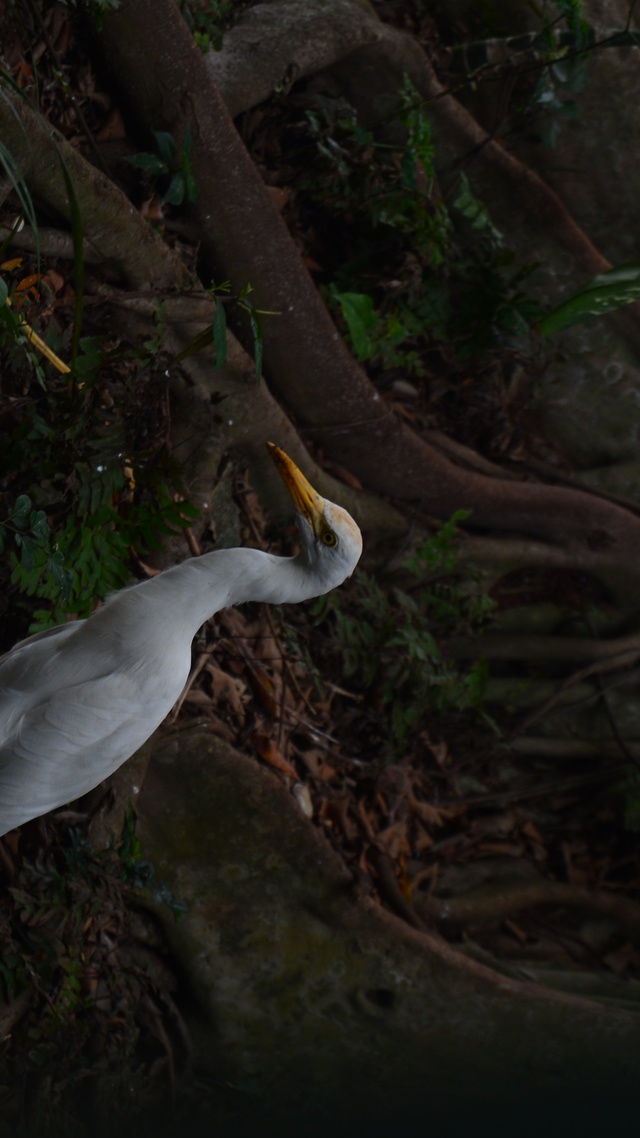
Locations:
(329, 538)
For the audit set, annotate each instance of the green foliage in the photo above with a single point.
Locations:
(161, 165)
(380, 337)
(453, 279)
(29, 531)
(565, 66)
(21, 190)
(388, 186)
(95, 9)
(207, 21)
(476, 303)
(602, 294)
(391, 639)
(216, 332)
(75, 516)
(475, 212)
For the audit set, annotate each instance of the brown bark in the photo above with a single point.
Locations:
(501, 899)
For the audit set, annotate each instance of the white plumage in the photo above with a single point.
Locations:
(77, 700)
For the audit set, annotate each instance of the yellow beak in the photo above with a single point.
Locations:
(306, 500)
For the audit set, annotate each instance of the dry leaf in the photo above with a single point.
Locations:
(227, 689)
(394, 841)
(265, 691)
(361, 811)
(267, 749)
(279, 196)
(112, 129)
(335, 812)
(496, 825)
(441, 754)
(422, 840)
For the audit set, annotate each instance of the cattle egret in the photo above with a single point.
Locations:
(79, 699)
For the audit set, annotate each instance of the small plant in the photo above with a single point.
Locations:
(78, 495)
(391, 640)
(28, 529)
(454, 280)
(383, 338)
(602, 294)
(208, 21)
(216, 332)
(162, 165)
(388, 186)
(564, 73)
(96, 9)
(476, 303)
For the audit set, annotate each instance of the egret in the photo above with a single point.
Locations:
(77, 700)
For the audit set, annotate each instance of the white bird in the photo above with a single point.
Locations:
(79, 699)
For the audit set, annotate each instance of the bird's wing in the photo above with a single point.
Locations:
(69, 743)
(61, 631)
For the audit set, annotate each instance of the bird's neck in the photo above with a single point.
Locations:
(196, 589)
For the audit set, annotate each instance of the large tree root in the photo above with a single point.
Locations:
(309, 368)
(328, 393)
(506, 898)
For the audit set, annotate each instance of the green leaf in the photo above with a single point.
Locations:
(176, 192)
(202, 340)
(150, 163)
(62, 576)
(166, 144)
(359, 313)
(602, 294)
(256, 328)
(77, 234)
(475, 210)
(28, 550)
(21, 511)
(40, 526)
(4, 291)
(190, 184)
(220, 333)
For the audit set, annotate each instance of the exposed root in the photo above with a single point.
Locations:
(614, 663)
(505, 898)
(608, 654)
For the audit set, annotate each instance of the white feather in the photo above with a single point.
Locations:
(78, 700)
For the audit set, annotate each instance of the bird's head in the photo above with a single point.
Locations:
(330, 538)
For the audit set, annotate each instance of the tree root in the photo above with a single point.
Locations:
(273, 45)
(608, 654)
(571, 750)
(614, 663)
(506, 898)
(309, 369)
(119, 237)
